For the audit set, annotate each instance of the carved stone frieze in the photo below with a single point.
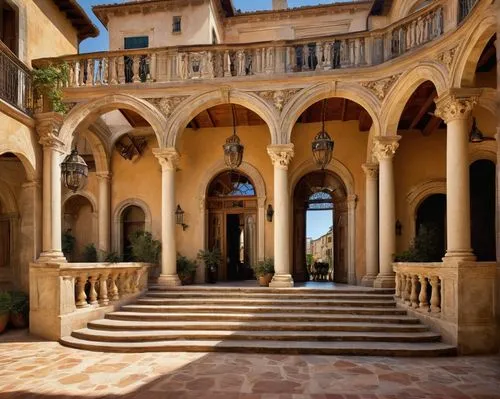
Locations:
(278, 98)
(447, 57)
(381, 86)
(166, 105)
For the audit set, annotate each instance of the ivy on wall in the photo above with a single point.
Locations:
(49, 82)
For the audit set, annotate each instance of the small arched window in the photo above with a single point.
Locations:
(231, 184)
(321, 200)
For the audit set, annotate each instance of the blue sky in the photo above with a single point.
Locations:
(318, 222)
(101, 43)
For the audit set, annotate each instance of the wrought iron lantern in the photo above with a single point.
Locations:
(269, 213)
(322, 145)
(179, 217)
(233, 149)
(476, 136)
(74, 171)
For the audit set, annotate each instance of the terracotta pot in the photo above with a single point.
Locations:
(265, 279)
(18, 320)
(4, 319)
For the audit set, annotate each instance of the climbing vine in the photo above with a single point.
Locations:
(49, 82)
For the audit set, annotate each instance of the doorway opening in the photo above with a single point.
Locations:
(232, 224)
(431, 226)
(133, 220)
(320, 228)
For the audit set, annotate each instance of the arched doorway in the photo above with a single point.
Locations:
(232, 223)
(321, 191)
(133, 219)
(5, 239)
(482, 206)
(79, 227)
(430, 225)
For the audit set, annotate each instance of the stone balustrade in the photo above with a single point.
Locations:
(65, 296)
(419, 287)
(169, 64)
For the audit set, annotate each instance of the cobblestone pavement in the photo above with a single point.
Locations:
(31, 368)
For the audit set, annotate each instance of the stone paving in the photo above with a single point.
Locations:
(31, 368)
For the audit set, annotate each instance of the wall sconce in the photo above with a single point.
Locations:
(179, 217)
(399, 228)
(269, 213)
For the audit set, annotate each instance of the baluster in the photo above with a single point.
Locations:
(305, 57)
(424, 302)
(71, 74)
(76, 74)
(81, 297)
(121, 69)
(105, 71)
(152, 67)
(136, 59)
(327, 55)
(98, 73)
(227, 64)
(397, 293)
(113, 78)
(90, 72)
(319, 55)
(435, 295)
(258, 61)
(408, 290)
(414, 295)
(81, 77)
(131, 282)
(103, 289)
(92, 291)
(113, 288)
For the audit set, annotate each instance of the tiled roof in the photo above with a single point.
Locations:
(78, 18)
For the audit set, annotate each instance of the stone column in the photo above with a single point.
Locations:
(169, 159)
(104, 218)
(384, 149)
(371, 233)
(281, 156)
(47, 126)
(455, 108)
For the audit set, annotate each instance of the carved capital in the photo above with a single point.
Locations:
(455, 105)
(281, 155)
(47, 126)
(385, 147)
(371, 170)
(381, 86)
(168, 157)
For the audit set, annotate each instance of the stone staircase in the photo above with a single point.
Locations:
(348, 321)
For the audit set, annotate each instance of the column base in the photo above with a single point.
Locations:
(460, 255)
(385, 281)
(368, 281)
(169, 280)
(281, 281)
(52, 257)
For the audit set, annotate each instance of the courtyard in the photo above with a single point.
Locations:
(33, 368)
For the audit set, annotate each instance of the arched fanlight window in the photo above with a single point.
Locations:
(321, 200)
(231, 184)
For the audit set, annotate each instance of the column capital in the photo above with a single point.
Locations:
(168, 157)
(103, 175)
(385, 147)
(281, 154)
(48, 125)
(456, 104)
(371, 170)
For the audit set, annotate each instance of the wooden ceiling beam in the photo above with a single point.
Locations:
(423, 110)
(343, 108)
(431, 126)
(210, 118)
(194, 124)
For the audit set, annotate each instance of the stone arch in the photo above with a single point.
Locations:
(260, 190)
(397, 97)
(485, 150)
(418, 194)
(341, 171)
(99, 151)
(307, 97)
(83, 193)
(117, 220)
(107, 103)
(193, 105)
(464, 69)
(8, 199)
(27, 158)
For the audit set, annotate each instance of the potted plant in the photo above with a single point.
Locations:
(68, 244)
(264, 271)
(89, 253)
(5, 304)
(212, 260)
(186, 269)
(19, 310)
(144, 248)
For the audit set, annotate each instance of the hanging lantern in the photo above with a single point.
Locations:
(233, 149)
(322, 145)
(74, 171)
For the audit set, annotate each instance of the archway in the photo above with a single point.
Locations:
(79, 226)
(430, 225)
(321, 191)
(482, 204)
(232, 223)
(133, 220)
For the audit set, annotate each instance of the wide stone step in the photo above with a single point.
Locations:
(354, 326)
(248, 317)
(165, 335)
(161, 307)
(267, 346)
(200, 295)
(339, 290)
(276, 302)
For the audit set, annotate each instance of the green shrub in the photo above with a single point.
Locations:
(5, 302)
(68, 243)
(112, 257)
(263, 267)
(20, 303)
(425, 246)
(144, 248)
(211, 258)
(185, 266)
(49, 81)
(90, 253)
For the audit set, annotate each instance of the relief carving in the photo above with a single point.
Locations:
(381, 86)
(278, 98)
(166, 105)
(447, 57)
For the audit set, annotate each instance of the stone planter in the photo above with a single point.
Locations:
(4, 319)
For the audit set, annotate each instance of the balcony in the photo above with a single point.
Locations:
(174, 64)
(15, 81)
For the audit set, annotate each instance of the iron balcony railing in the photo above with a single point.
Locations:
(16, 85)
